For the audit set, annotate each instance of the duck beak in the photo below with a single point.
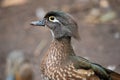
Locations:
(38, 23)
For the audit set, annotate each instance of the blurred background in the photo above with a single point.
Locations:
(99, 28)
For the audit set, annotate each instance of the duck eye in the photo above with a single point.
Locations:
(51, 18)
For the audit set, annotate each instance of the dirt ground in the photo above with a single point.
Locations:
(99, 43)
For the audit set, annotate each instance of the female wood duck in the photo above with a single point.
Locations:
(60, 62)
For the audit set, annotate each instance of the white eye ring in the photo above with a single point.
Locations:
(53, 19)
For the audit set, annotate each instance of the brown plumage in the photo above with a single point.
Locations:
(18, 67)
(114, 75)
(57, 63)
(60, 61)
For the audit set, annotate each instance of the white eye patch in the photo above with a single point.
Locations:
(55, 20)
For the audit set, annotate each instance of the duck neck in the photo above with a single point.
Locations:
(61, 47)
(59, 51)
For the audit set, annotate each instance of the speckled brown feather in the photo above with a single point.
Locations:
(56, 65)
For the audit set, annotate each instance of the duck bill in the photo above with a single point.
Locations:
(38, 23)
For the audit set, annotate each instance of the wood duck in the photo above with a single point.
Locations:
(18, 67)
(60, 62)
